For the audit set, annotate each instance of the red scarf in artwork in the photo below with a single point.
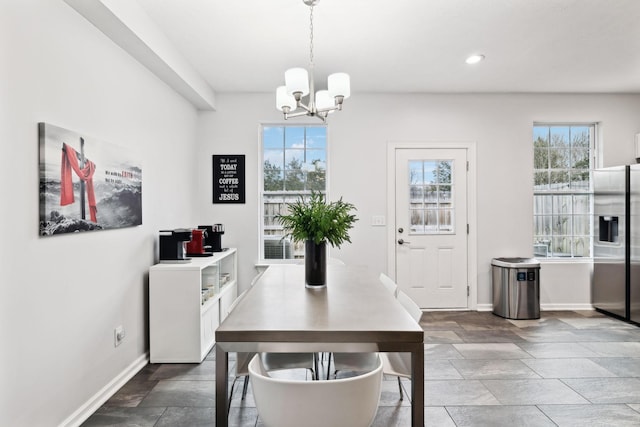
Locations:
(69, 163)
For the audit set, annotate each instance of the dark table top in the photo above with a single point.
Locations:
(354, 307)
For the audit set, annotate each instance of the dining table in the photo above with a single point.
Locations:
(352, 313)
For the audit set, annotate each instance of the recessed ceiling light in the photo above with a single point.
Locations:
(474, 59)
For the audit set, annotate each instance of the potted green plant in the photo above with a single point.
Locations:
(318, 222)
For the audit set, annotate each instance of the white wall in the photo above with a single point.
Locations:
(563, 285)
(234, 129)
(500, 125)
(62, 296)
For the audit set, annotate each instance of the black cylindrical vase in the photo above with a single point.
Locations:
(315, 264)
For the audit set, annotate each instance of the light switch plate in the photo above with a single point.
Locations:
(378, 221)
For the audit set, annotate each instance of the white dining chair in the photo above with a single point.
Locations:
(399, 364)
(389, 284)
(359, 361)
(280, 361)
(410, 305)
(351, 402)
(275, 361)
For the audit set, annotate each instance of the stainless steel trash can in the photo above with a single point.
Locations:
(516, 287)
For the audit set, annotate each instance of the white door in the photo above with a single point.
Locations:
(431, 226)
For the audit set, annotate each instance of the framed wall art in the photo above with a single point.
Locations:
(228, 178)
(86, 184)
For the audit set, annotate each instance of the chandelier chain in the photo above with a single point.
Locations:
(311, 36)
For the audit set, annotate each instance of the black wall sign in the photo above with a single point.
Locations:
(228, 179)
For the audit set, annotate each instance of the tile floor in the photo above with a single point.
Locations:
(565, 369)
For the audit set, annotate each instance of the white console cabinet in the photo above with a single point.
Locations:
(187, 302)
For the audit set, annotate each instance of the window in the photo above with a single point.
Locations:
(431, 203)
(562, 200)
(294, 162)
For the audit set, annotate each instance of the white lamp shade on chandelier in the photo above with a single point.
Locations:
(324, 100)
(284, 100)
(299, 83)
(297, 80)
(339, 85)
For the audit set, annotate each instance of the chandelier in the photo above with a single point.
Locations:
(299, 84)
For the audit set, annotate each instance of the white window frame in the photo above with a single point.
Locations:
(261, 192)
(442, 205)
(594, 164)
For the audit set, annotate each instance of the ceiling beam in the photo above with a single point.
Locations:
(127, 24)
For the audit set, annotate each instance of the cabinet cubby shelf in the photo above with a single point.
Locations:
(182, 318)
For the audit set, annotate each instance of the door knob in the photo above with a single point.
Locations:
(402, 242)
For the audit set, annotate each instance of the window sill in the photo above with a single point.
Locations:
(581, 260)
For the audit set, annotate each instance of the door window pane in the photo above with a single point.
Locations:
(416, 193)
(444, 194)
(431, 192)
(416, 175)
(431, 221)
(417, 220)
(445, 219)
(430, 172)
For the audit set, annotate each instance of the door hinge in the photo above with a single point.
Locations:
(467, 165)
(467, 228)
(468, 290)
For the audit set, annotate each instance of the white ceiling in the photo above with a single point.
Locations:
(411, 45)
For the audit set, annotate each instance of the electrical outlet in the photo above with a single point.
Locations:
(118, 335)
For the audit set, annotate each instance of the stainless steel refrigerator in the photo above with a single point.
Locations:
(616, 249)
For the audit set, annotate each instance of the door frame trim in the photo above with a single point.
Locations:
(472, 213)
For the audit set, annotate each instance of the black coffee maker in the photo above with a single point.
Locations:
(213, 238)
(173, 245)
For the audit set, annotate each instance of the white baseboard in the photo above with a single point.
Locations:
(98, 399)
(546, 307)
(565, 307)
